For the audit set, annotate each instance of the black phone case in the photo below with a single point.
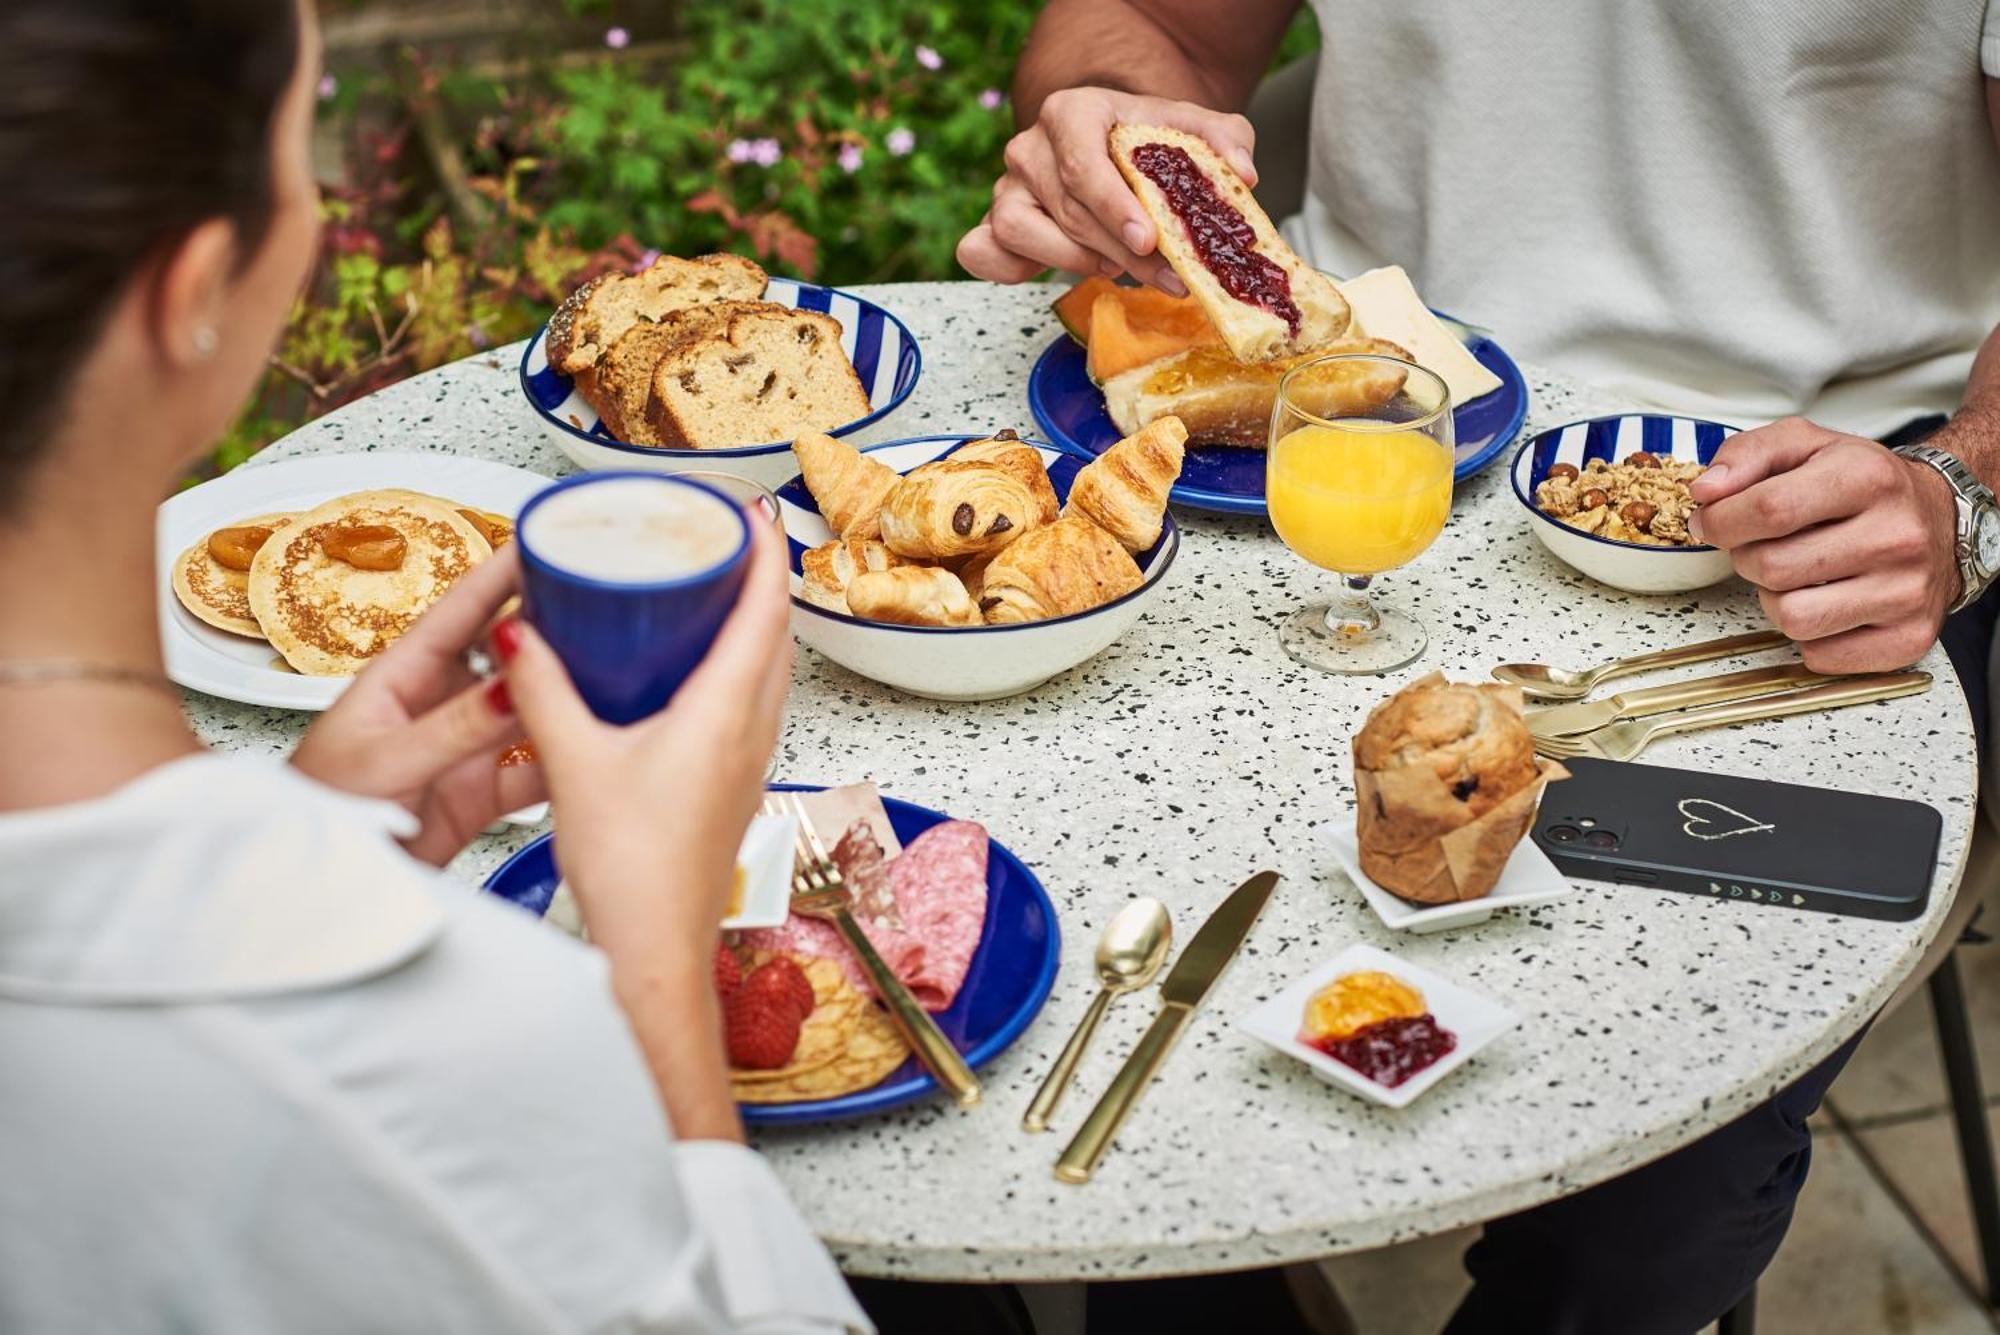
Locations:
(1778, 844)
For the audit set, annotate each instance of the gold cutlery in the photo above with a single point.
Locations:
(1188, 982)
(1623, 741)
(1130, 952)
(1567, 720)
(1542, 682)
(819, 892)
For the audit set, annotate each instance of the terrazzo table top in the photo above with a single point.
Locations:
(1194, 752)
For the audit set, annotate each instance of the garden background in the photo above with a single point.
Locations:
(481, 157)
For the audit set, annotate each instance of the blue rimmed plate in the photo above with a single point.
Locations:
(1009, 979)
(882, 348)
(1069, 408)
(1631, 566)
(963, 662)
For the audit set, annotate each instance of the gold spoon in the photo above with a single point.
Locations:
(1542, 682)
(1130, 952)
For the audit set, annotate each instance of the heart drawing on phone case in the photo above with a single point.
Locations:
(1701, 826)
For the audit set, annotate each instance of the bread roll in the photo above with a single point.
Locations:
(1008, 451)
(1124, 490)
(849, 485)
(912, 596)
(1058, 570)
(829, 568)
(946, 510)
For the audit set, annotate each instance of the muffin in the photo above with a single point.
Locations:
(1446, 781)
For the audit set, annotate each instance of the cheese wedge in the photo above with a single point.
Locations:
(1386, 305)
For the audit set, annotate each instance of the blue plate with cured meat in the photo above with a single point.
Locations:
(1010, 976)
(1069, 408)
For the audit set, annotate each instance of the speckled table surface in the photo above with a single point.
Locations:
(1194, 752)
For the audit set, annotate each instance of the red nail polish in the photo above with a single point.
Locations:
(497, 697)
(507, 639)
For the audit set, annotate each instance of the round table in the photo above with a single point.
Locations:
(1194, 752)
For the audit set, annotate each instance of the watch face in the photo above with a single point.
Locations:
(1986, 540)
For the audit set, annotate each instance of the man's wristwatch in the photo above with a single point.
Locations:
(1977, 544)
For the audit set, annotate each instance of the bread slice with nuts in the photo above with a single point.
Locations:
(619, 383)
(761, 373)
(1262, 298)
(599, 312)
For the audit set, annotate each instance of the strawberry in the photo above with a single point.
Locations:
(759, 1031)
(782, 979)
(728, 971)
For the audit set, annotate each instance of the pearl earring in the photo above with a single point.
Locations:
(205, 342)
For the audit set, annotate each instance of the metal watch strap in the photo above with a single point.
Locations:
(1968, 493)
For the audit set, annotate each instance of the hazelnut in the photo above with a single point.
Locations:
(1643, 460)
(365, 546)
(1639, 514)
(235, 548)
(1593, 498)
(1567, 471)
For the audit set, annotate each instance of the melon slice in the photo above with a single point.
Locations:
(1133, 326)
(1073, 306)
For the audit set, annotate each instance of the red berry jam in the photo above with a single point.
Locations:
(1391, 1051)
(1226, 243)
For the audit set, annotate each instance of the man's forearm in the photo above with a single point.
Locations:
(1145, 48)
(1973, 433)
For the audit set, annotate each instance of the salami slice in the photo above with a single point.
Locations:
(939, 882)
(865, 867)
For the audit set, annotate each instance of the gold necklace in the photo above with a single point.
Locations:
(56, 672)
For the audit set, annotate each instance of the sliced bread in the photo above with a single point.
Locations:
(1263, 299)
(618, 382)
(599, 312)
(1224, 402)
(761, 373)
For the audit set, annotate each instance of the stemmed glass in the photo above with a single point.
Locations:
(1357, 495)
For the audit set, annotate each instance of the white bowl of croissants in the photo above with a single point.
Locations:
(976, 567)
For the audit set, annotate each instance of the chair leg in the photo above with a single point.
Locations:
(1968, 1111)
(1742, 1318)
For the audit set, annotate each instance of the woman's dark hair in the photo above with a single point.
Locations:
(124, 124)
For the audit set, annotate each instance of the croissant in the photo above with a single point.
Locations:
(830, 567)
(1124, 490)
(1024, 461)
(848, 485)
(912, 596)
(945, 510)
(1063, 568)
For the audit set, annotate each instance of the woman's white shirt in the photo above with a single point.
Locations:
(263, 1071)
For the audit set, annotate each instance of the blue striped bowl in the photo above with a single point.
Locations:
(1631, 566)
(882, 348)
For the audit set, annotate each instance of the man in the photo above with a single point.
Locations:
(1747, 212)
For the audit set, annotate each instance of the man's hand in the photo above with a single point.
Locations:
(1062, 203)
(1851, 547)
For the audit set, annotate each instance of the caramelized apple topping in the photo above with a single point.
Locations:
(366, 546)
(491, 527)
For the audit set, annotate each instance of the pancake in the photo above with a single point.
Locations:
(329, 618)
(215, 593)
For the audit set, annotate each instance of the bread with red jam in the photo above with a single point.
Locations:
(1264, 300)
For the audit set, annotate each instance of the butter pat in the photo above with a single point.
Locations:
(1386, 305)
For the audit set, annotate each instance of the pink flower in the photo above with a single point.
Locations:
(617, 38)
(739, 150)
(900, 142)
(328, 86)
(479, 338)
(647, 259)
(991, 99)
(929, 59)
(765, 152)
(850, 158)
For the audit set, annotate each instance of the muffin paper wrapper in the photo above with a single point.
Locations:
(1462, 863)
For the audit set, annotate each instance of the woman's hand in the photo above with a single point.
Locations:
(1062, 203)
(417, 727)
(649, 816)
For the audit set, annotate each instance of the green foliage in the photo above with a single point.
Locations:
(845, 141)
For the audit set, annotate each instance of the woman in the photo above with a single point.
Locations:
(265, 1069)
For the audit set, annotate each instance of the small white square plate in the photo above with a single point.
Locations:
(765, 859)
(1529, 878)
(1473, 1019)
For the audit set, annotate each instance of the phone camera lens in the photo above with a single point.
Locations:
(1600, 839)
(1564, 834)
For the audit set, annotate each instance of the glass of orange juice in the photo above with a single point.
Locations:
(1358, 494)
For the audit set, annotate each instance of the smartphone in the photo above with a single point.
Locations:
(1783, 845)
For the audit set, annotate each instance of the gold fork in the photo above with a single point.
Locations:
(1623, 741)
(819, 892)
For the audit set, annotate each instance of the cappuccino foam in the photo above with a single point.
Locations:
(632, 530)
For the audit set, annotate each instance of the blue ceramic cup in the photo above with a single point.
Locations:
(630, 609)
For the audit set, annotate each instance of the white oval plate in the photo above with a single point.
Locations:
(235, 667)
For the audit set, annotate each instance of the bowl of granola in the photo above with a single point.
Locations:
(1609, 496)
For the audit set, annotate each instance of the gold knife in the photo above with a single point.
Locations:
(1568, 720)
(1193, 974)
